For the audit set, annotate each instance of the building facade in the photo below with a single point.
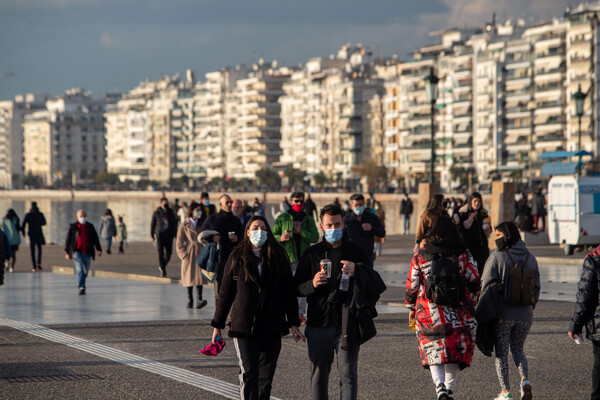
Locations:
(64, 144)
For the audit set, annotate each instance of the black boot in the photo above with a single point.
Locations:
(201, 303)
(190, 294)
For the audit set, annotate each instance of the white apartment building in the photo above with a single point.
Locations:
(331, 115)
(582, 70)
(505, 97)
(203, 152)
(143, 129)
(12, 116)
(64, 144)
(255, 140)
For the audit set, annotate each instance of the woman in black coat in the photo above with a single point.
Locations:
(257, 284)
(474, 225)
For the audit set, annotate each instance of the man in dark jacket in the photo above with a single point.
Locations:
(230, 233)
(406, 210)
(362, 227)
(310, 208)
(163, 230)
(328, 307)
(209, 209)
(81, 242)
(587, 313)
(35, 219)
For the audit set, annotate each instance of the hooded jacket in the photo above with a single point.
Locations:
(308, 233)
(496, 268)
(445, 334)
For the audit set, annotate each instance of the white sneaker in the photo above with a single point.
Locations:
(503, 395)
(526, 389)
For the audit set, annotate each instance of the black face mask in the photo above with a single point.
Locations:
(501, 243)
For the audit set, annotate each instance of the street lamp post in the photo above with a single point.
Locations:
(579, 98)
(431, 88)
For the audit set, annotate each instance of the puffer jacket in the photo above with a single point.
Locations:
(587, 308)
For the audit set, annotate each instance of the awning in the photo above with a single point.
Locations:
(565, 154)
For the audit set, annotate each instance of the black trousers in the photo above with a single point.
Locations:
(33, 246)
(165, 249)
(596, 371)
(258, 356)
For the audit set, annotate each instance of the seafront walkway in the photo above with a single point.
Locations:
(131, 336)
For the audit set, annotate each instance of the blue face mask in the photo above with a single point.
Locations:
(333, 235)
(258, 238)
(359, 210)
(207, 202)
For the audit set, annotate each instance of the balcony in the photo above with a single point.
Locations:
(350, 133)
(549, 54)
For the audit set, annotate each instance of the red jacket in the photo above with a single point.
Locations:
(446, 335)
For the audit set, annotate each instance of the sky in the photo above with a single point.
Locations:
(49, 46)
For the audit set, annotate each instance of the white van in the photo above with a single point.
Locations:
(574, 211)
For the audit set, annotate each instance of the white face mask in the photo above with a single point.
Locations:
(82, 220)
(198, 214)
(258, 238)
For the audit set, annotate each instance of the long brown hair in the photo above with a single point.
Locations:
(275, 259)
(436, 204)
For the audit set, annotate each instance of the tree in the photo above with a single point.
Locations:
(294, 176)
(106, 178)
(375, 174)
(320, 179)
(465, 176)
(267, 176)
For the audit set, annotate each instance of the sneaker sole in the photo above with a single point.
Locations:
(526, 393)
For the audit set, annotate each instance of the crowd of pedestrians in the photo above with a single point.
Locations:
(316, 267)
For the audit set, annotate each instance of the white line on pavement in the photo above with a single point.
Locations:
(217, 386)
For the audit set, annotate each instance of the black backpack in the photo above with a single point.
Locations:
(445, 286)
(520, 283)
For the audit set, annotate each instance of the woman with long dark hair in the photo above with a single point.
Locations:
(513, 330)
(446, 333)
(474, 225)
(435, 208)
(257, 284)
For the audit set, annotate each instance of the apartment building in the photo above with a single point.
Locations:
(505, 97)
(12, 116)
(64, 144)
(144, 127)
(256, 135)
(331, 114)
(582, 72)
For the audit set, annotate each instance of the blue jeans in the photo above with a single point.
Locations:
(82, 266)
(406, 219)
(108, 243)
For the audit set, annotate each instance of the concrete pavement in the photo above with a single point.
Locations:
(131, 338)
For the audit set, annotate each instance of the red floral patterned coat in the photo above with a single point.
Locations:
(446, 334)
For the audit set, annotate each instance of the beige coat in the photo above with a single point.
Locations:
(188, 249)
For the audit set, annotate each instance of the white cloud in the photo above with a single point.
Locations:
(106, 40)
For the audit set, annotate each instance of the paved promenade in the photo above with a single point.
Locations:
(131, 337)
